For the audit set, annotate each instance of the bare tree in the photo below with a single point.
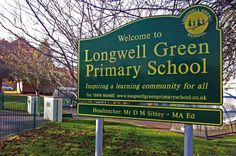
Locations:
(31, 66)
(4, 69)
(65, 22)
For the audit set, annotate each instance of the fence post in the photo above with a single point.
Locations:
(35, 105)
(2, 100)
(56, 105)
(205, 132)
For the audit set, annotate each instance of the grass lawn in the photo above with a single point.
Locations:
(77, 137)
(18, 102)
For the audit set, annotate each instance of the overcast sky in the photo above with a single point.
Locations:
(3, 33)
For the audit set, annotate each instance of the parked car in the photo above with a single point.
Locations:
(6, 87)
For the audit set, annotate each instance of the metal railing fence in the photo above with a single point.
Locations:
(15, 117)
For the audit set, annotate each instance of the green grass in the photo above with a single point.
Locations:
(77, 137)
(18, 103)
(15, 102)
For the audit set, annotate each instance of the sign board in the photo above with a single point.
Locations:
(166, 114)
(167, 59)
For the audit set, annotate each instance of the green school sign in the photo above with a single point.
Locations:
(167, 59)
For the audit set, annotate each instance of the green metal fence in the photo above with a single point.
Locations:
(15, 116)
(1, 100)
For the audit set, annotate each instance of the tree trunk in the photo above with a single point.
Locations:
(37, 92)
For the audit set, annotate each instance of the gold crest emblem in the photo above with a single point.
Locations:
(196, 22)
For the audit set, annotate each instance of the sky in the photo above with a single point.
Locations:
(7, 10)
(4, 33)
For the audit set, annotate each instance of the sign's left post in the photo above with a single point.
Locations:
(99, 136)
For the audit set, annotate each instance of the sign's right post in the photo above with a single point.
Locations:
(188, 140)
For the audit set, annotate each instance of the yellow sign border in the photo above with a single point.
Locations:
(157, 120)
(160, 16)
